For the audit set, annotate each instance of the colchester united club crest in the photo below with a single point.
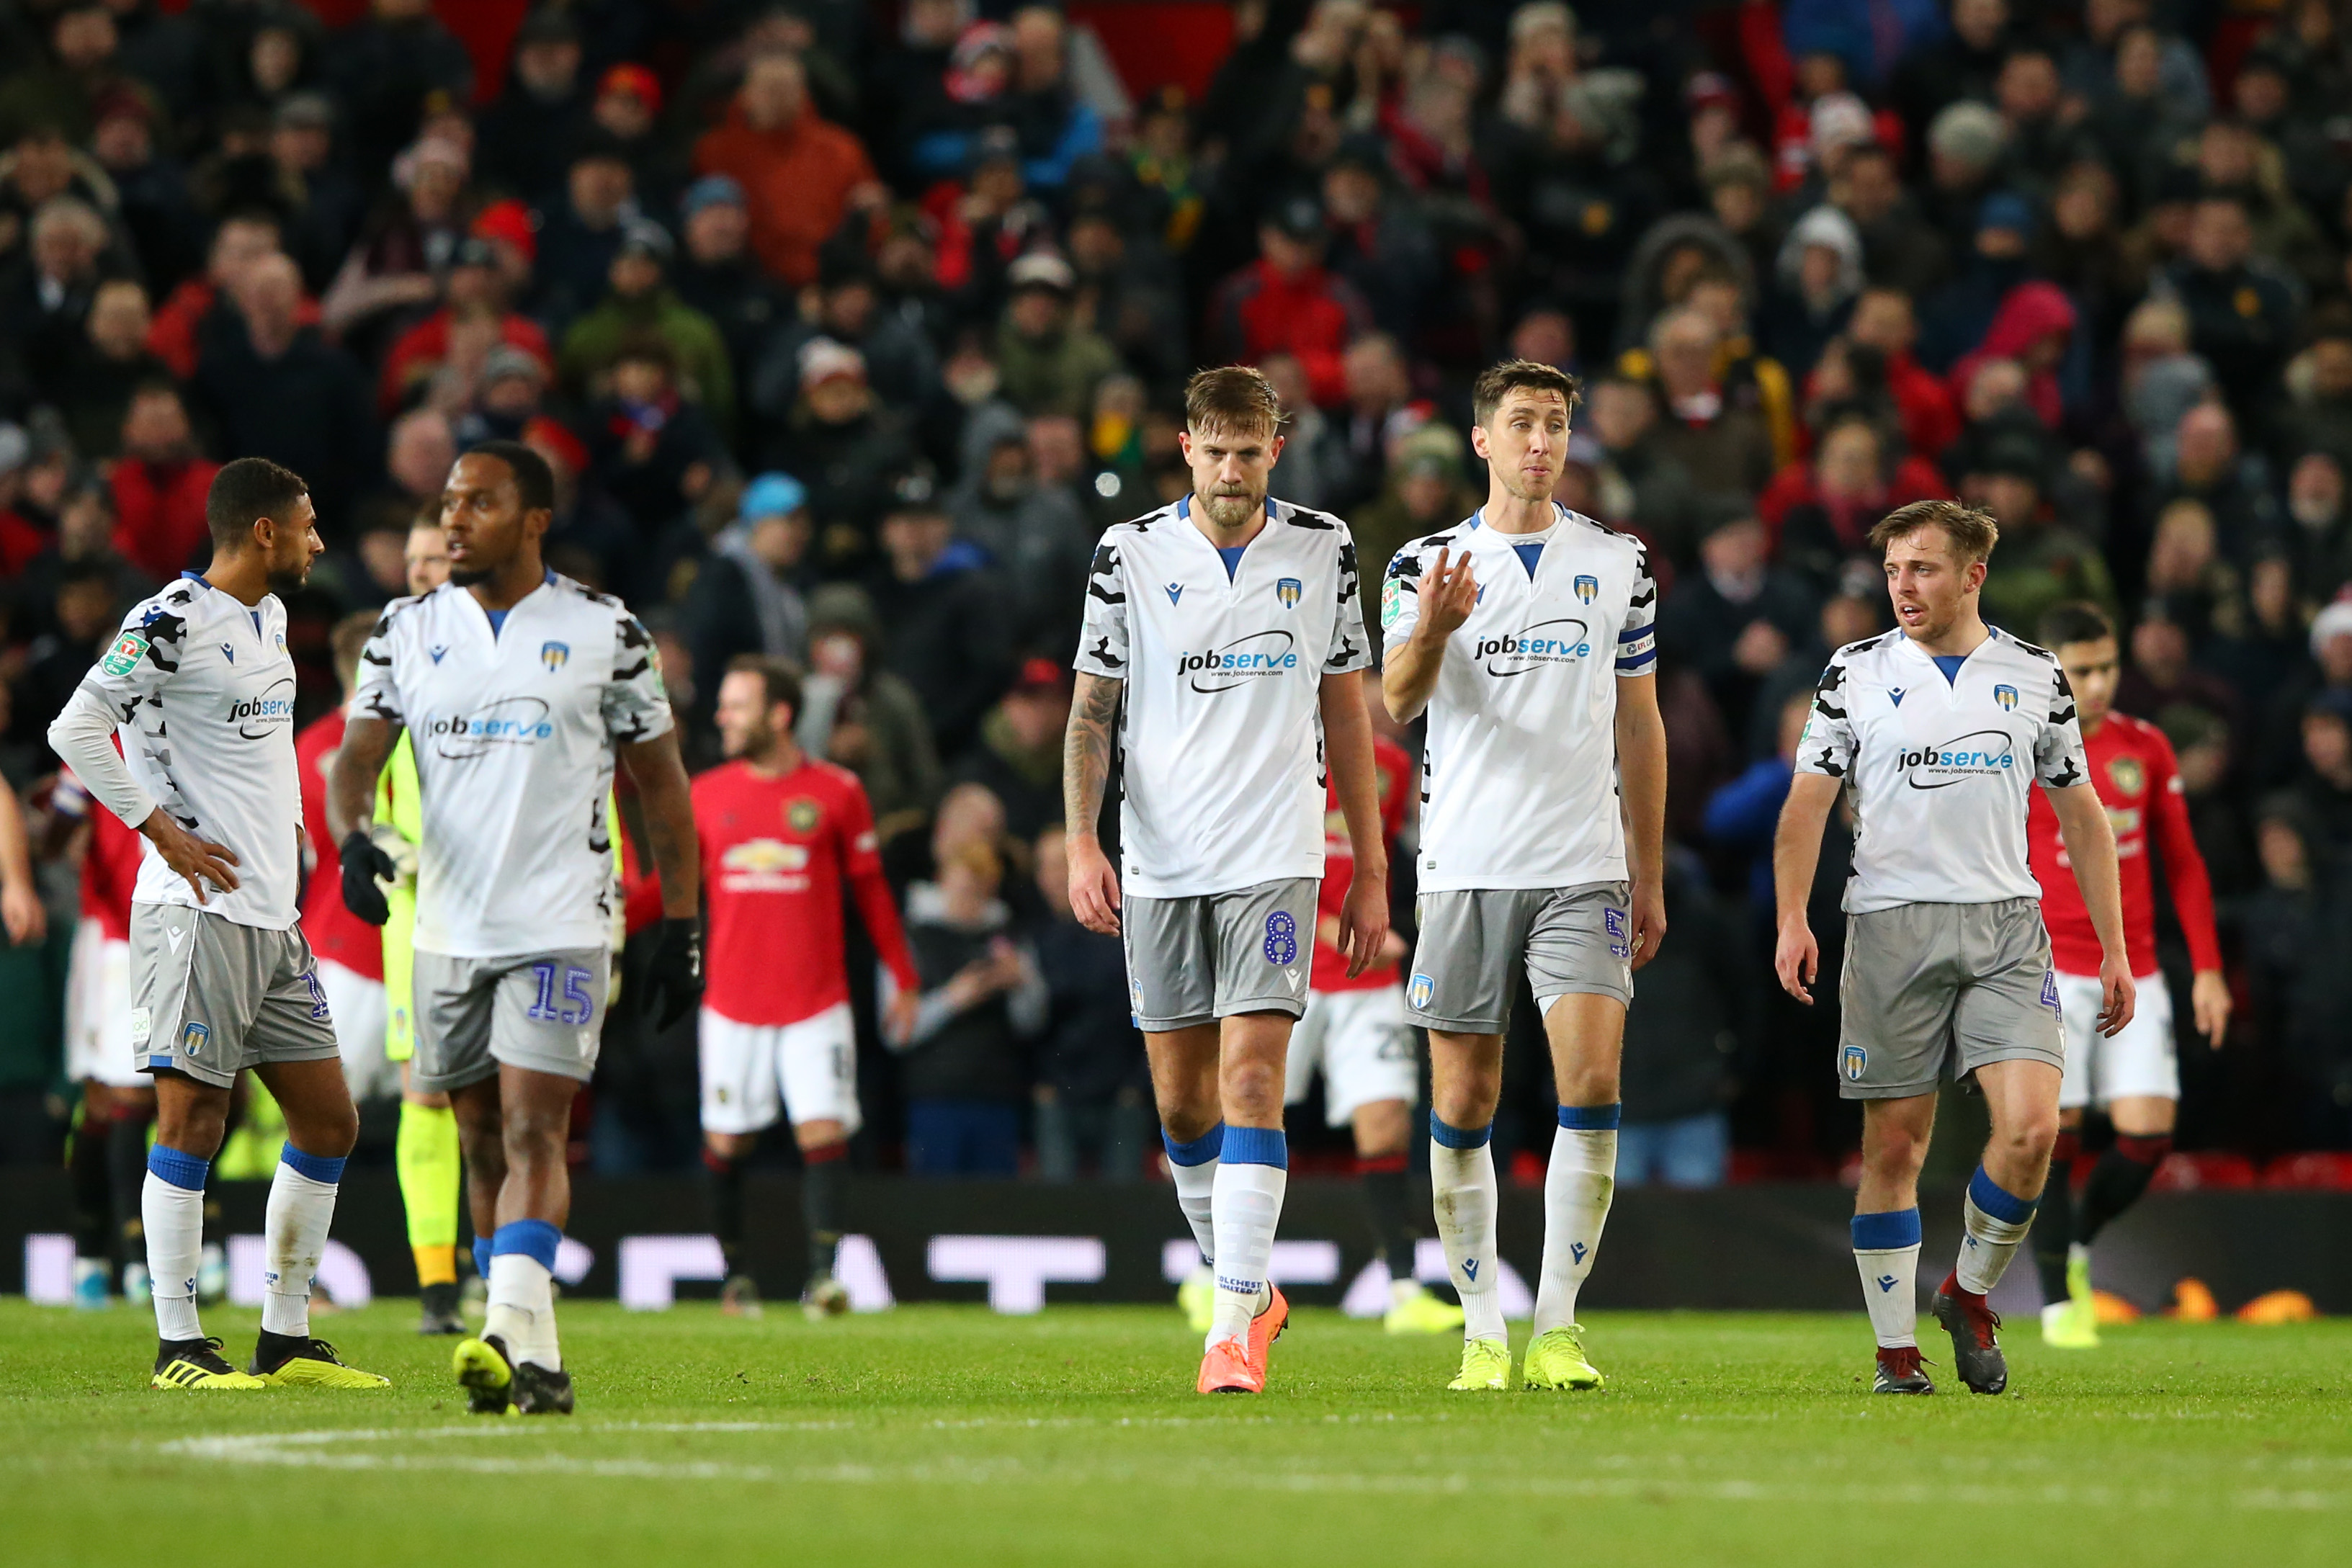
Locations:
(1855, 1060)
(1288, 590)
(2006, 696)
(1588, 587)
(555, 655)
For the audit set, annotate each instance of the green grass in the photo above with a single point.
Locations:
(946, 1436)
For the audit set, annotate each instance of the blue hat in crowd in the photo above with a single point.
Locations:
(772, 495)
(2005, 210)
(711, 191)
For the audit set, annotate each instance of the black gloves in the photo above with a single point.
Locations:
(673, 978)
(364, 865)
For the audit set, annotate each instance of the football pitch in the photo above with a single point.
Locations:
(952, 1436)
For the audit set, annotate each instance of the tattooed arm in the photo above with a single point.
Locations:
(1085, 773)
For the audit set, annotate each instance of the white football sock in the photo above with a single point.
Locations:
(522, 1309)
(172, 1211)
(1887, 1254)
(1578, 1188)
(1246, 1208)
(301, 1207)
(1465, 1196)
(1996, 1222)
(1194, 1168)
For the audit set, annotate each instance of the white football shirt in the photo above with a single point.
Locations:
(1220, 730)
(1941, 768)
(514, 729)
(202, 693)
(1519, 770)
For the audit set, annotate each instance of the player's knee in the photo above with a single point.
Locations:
(2026, 1141)
(330, 1134)
(1588, 1086)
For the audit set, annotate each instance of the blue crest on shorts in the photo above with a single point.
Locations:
(1854, 1062)
(1289, 590)
(1419, 992)
(1281, 938)
(1587, 587)
(555, 655)
(2005, 695)
(2050, 990)
(193, 1037)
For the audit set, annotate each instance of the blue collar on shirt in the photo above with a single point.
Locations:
(1950, 665)
(200, 577)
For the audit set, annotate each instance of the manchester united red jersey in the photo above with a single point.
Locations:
(110, 867)
(775, 852)
(337, 936)
(1392, 774)
(2138, 781)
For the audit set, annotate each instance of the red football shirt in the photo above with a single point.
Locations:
(337, 936)
(775, 852)
(110, 867)
(2138, 781)
(1392, 776)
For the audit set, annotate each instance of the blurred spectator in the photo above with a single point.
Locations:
(1092, 1098)
(2241, 311)
(747, 596)
(473, 289)
(950, 634)
(388, 64)
(861, 715)
(529, 134)
(798, 170)
(1048, 365)
(1287, 301)
(1034, 534)
(1726, 448)
(45, 298)
(1019, 757)
(101, 373)
(715, 273)
(571, 249)
(638, 303)
(648, 447)
(1736, 618)
(160, 484)
(962, 1067)
(1684, 1039)
(1818, 277)
(278, 389)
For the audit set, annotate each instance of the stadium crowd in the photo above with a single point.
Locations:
(845, 330)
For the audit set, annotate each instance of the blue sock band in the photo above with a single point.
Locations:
(482, 1258)
(1257, 1146)
(1200, 1151)
(318, 1167)
(1885, 1231)
(534, 1239)
(1592, 1118)
(1998, 1202)
(180, 1170)
(1449, 1136)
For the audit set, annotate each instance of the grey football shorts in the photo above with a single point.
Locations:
(1197, 959)
(209, 996)
(1934, 991)
(1573, 939)
(543, 1011)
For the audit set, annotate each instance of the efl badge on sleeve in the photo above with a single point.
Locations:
(1588, 587)
(2006, 696)
(125, 656)
(555, 655)
(1853, 1060)
(1288, 590)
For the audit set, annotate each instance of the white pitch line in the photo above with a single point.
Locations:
(314, 1451)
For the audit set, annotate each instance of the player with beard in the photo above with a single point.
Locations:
(522, 688)
(201, 688)
(780, 832)
(1941, 728)
(1221, 640)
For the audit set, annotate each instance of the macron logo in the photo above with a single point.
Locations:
(1895, 693)
(1470, 1267)
(436, 651)
(1886, 1281)
(175, 932)
(1576, 1250)
(1175, 591)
